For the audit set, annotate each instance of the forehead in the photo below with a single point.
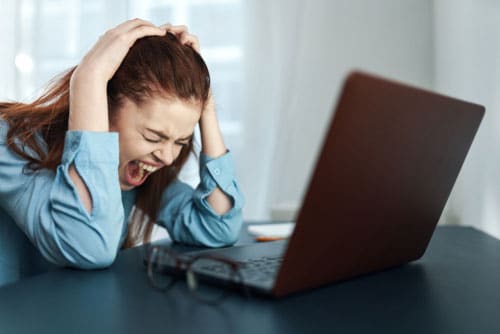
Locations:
(162, 111)
(171, 116)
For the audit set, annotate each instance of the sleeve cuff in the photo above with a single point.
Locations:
(219, 172)
(86, 148)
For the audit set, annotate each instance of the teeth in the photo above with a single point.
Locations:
(141, 173)
(147, 168)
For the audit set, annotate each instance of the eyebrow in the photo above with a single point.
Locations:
(164, 136)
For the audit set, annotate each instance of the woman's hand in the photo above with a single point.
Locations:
(107, 54)
(182, 34)
(88, 99)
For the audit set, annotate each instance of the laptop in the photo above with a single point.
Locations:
(388, 162)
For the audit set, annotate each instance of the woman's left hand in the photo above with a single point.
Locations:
(181, 32)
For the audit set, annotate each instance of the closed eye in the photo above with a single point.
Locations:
(152, 140)
(183, 144)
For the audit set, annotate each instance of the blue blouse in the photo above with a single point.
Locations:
(43, 223)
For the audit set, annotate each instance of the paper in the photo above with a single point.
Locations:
(281, 230)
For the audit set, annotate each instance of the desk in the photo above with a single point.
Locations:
(454, 288)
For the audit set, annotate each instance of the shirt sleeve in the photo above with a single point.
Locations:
(189, 218)
(47, 207)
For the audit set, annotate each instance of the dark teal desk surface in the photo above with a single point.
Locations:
(454, 288)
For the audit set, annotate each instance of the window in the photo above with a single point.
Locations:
(54, 35)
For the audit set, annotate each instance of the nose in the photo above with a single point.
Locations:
(165, 154)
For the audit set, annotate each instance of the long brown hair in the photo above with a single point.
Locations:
(154, 65)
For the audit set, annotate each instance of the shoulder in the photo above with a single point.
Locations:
(7, 156)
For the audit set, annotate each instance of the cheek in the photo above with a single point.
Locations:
(178, 151)
(181, 149)
(132, 148)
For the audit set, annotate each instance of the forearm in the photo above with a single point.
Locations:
(88, 112)
(88, 103)
(211, 136)
(213, 146)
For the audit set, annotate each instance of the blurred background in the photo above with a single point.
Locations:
(277, 67)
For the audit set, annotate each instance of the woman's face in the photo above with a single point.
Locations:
(152, 135)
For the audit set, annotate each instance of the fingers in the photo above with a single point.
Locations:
(166, 26)
(135, 29)
(177, 30)
(143, 31)
(106, 55)
(132, 30)
(192, 41)
(130, 25)
(181, 32)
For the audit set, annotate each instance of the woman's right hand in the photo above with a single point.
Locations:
(88, 99)
(107, 54)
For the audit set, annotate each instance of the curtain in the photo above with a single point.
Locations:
(467, 41)
(297, 55)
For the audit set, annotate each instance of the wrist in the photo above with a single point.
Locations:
(83, 78)
(88, 105)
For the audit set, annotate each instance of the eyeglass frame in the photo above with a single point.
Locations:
(182, 266)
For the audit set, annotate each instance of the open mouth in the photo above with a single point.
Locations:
(136, 172)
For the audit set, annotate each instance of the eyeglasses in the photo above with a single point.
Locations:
(165, 266)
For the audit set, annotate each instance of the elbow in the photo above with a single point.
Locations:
(86, 246)
(205, 229)
(96, 259)
(87, 253)
(225, 231)
(100, 263)
(96, 249)
(220, 241)
(231, 237)
(67, 235)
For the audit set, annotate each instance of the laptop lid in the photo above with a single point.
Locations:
(386, 168)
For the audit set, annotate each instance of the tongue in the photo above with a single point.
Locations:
(135, 174)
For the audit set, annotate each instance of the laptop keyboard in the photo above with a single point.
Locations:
(254, 269)
(260, 268)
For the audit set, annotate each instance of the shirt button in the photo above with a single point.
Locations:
(216, 171)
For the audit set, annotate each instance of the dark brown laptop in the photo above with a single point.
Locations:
(386, 168)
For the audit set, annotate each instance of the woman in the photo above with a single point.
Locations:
(109, 136)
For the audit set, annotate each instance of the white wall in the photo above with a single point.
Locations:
(467, 65)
